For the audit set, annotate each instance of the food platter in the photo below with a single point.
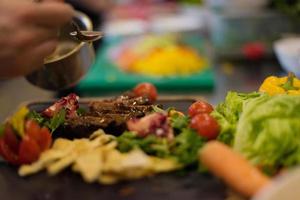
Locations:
(138, 146)
(67, 185)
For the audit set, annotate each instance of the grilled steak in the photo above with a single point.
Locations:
(109, 115)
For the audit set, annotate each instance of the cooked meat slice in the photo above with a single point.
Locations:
(109, 115)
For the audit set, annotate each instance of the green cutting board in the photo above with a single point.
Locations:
(106, 77)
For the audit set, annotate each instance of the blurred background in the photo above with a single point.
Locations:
(185, 47)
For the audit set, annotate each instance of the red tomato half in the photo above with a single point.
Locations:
(29, 150)
(11, 139)
(7, 153)
(147, 90)
(45, 139)
(32, 129)
(205, 125)
(200, 107)
(41, 136)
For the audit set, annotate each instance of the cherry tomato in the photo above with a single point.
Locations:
(29, 150)
(254, 51)
(147, 90)
(200, 107)
(7, 153)
(205, 125)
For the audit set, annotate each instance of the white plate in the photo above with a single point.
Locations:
(284, 187)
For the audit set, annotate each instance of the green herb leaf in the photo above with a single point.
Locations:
(81, 111)
(179, 122)
(151, 144)
(186, 146)
(56, 121)
(156, 108)
(36, 117)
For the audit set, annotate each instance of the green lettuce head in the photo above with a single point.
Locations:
(268, 131)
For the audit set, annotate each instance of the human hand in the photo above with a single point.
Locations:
(28, 33)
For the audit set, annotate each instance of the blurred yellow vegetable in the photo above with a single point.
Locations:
(174, 60)
(273, 85)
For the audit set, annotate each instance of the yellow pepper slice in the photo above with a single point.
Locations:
(273, 85)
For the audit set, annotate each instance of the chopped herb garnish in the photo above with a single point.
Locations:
(57, 120)
(36, 117)
(179, 121)
(81, 111)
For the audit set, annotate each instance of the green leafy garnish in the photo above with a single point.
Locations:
(36, 117)
(81, 111)
(151, 144)
(179, 121)
(186, 146)
(57, 120)
(156, 108)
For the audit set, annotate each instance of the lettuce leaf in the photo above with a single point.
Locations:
(228, 113)
(268, 132)
(184, 147)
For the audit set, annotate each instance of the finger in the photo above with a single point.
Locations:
(32, 37)
(33, 58)
(51, 14)
(52, 0)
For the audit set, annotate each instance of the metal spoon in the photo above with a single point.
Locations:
(84, 36)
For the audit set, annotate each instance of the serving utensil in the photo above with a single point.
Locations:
(84, 36)
(81, 35)
(69, 63)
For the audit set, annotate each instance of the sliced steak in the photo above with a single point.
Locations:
(109, 115)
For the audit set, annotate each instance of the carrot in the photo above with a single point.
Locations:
(232, 168)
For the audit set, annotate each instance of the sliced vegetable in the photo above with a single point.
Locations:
(29, 150)
(146, 90)
(69, 103)
(273, 85)
(20, 150)
(232, 168)
(17, 120)
(205, 125)
(155, 123)
(10, 138)
(45, 139)
(7, 153)
(41, 136)
(200, 107)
